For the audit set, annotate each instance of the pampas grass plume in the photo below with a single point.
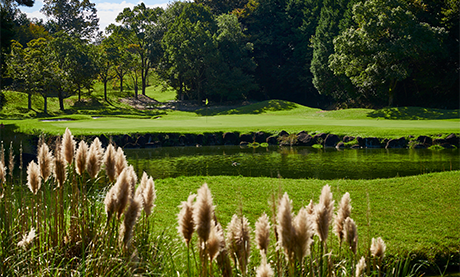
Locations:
(203, 211)
(131, 215)
(2, 173)
(351, 234)
(60, 172)
(94, 161)
(132, 180)
(263, 233)
(149, 196)
(11, 160)
(68, 146)
(110, 161)
(45, 161)
(238, 239)
(323, 213)
(342, 214)
(120, 163)
(264, 270)
(33, 177)
(185, 219)
(360, 267)
(81, 157)
(215, 240)
(285, 227)
(303, 234)
(121, 192)
(27, 239)
(110, 203)
(378, 247)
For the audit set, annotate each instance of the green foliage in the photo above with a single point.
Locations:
(414, 113)
(388, 42)
(77, 18)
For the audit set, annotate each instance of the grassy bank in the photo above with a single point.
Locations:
(416, 214)
(74, 220)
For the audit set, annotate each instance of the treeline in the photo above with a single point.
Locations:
(346, 53)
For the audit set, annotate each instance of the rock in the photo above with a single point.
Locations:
(183, 141)
(304, 139)
(425, 140)
(142, 141)
(453, 139)
(356, 146)
(440, 141)
(104, 140)
(371, 142)
(347, 139)
(191, 138)
(211, 139)
(272, 140)
(260, 137)
(396, 143)
(283, 134)
(319, 138)
(126, 139)
(244, 143)
(419, 146)
(246, 138)
(340, 145)
(331, 140)
(230, 138)
(199, 139)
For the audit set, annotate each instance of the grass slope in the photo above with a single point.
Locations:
(416, 214)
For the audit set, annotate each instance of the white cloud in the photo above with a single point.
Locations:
(106, 11)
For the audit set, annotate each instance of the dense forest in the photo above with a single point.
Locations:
(321, 53)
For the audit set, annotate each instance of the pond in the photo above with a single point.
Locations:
(287, 162)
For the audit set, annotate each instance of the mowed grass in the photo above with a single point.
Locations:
(295, 119)
(418, 214)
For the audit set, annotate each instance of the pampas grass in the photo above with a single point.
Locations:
(33, 177)
(238, 241)
(11, 161)
(262, 233)
(203, 212)
(81, 157)
(324, 211)
(360, 267)
(343, 213)
(45, 161)
(121, 162)
(121, 193)
(186, 225)
(2, 173)
(214, 244)
(94, 160)
(129, 220)
(351, 234)
(378, 247)
(285, 229)
(149, 196)
(303, 234)
(264, 270)
(68, 146)
(60, 172)
(110, 161)
(27, 239)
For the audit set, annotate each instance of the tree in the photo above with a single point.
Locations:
(387, 44)
(36, 71)
(77, 59)
(77, 18)
(190, 48)
(280, 31)
(134, 24)
(335, 17)
(105, 61)
(219, 7)
(232, 76)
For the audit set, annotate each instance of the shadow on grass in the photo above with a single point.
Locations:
(414, 113)
(256, 108)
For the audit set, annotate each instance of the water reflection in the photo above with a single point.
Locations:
(295, 162)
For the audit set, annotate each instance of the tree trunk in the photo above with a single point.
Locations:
(391, 93)
(121, 83)
(79, 93)
(61, 101)
(136, 89)
(143, 84)
(105, 90)
(45, 104)
(29, 101)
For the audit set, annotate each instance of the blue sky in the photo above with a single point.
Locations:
(107, 10)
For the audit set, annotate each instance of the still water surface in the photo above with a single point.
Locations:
(295, 162)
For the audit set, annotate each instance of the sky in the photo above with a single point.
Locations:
(107, 10)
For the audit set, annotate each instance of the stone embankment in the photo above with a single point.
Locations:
(282, 138)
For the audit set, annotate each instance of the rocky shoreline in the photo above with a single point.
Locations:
(282, 138)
